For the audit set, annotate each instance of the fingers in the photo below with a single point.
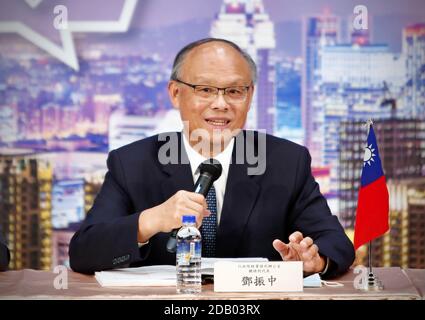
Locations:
(170, 212)
(200, 219)
(300, 249)
(304, 246)
(207, 213)
(310, 253)
(195, 206)
(196, 197)
(284, 250)
(180, 204)
(191, 200)
(306, 242)
(197, 202)
(280, 247)
(296, 237)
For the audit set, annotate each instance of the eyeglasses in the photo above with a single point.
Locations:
(235, 94)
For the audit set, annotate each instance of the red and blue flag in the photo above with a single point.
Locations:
(373, 200)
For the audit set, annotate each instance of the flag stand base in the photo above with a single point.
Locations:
(373, 283)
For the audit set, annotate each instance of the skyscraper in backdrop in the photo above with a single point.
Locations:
(246, 23)
(414, 52)
(25, 209)
(317, 32)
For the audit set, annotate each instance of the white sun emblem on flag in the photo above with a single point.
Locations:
(368, 155)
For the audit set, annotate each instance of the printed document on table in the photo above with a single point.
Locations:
(150, 276)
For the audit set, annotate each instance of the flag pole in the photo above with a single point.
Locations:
(373, 283)
(370, 257)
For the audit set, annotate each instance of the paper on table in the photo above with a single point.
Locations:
(152, 276)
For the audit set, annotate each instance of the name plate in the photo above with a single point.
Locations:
(270, 276)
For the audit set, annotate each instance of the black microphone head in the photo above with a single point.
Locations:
(211, 167)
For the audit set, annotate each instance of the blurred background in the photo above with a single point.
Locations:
(69, 95)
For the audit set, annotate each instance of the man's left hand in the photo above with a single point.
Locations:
(301, 249)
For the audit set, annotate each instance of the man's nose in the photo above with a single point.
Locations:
(219, 101)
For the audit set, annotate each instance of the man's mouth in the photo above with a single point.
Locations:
(217, 122)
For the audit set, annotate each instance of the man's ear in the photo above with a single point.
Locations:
(174, 92)
(251, 94)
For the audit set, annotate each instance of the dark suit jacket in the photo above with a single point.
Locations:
(4, 255)
(257, 208)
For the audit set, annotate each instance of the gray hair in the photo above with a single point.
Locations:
(181, 55)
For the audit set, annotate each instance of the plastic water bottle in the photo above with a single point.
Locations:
(188, 258)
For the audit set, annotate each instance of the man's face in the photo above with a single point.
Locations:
(219, 65)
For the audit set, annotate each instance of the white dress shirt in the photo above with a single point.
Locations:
(224, 158)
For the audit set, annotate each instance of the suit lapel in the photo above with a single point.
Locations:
(179, 176)
(240, 197)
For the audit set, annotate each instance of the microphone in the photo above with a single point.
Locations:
(210, 170)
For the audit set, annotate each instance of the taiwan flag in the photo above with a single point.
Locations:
(373, 200)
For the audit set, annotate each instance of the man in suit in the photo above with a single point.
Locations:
(4, 255)
(277, 213)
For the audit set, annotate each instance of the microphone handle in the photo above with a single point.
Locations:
(172, 241)
(203, 185)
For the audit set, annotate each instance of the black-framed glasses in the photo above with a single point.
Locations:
(233, 94)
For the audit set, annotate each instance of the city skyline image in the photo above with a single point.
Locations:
(70, 96)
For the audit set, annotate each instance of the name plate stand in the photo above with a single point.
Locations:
(270, 276)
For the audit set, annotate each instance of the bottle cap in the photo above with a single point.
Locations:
(189, 219)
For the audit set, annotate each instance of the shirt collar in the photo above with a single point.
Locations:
(196, 159)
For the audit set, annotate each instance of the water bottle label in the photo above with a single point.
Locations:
(188, 251)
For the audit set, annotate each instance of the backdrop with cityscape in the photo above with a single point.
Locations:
(319, 80)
